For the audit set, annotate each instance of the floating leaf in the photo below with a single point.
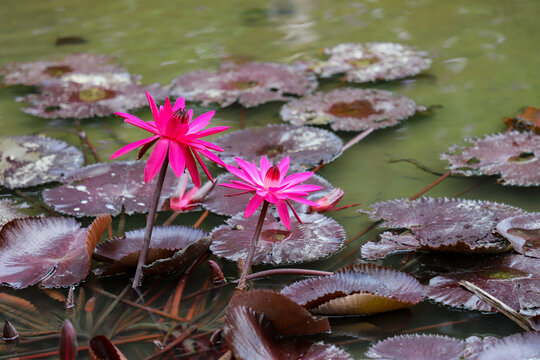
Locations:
(437, 224)
(318, 236)
(172, 248)
(307, 146)
(68, 342)
(35, 160)
(357, 289)
(513, 279)
(350, 109)
(220, 201)
(524, 346)
(372, 61)
(523, 231)
(8, 212)
(418, 347)
(514, 156)
(371, 326)
(107, 188)
(528, 120)
(250, 84)
(101, 348)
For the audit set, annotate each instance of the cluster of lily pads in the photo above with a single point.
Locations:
(501, 241)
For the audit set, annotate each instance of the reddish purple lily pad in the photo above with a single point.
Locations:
(307, 146)
(418, 347)
(524, 346)
(35, 160)
(9, 212)
(220, 201)
(349, 291)
(371, 326)
(172, 248)
(250, 84)
(73, 67)
(88, 99)
(49, 251)
(437, 224)
(318, 236)
(523, 231)
(350, 109)
(107, 188)
(372, 62)
(514, 156)
(513, 279)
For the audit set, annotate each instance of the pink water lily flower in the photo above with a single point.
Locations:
(186, 201)
(175, 135)
(270, 184)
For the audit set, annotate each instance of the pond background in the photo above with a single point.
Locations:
(485, 67)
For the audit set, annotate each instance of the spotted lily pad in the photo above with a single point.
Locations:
(357, 290)
(437, 224)
(88, 99)
(350, 109)
(107, 188)
(8, 212)
(54, 252)
(220, 201)
(35, 160)
(74, 67)
(523, 231)
(172, 248)
(513, 279)
(307, 146)
(514, 156)
(524, 346)
(250, 84)
(418, 347)
(372, 61)
(318, 236)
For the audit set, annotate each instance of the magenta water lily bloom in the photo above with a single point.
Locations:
(270, 184)
(175, 135)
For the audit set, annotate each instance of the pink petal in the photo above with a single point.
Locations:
(284, 213)
(176, 158)
(295, 179)
(192, 166)
(133, 145)
(155, 161)
(165, 115)
(133, 120)
(250, 170)
(284, 167)
(207, 132)
(200, 122)
(153, 107)
(301, 200)
(179, 104)
(239, 173)
(265, 165)
(203, 166)
(212, 157)
(253, 205)
(238, 186)
(207, 144)
(303, 188)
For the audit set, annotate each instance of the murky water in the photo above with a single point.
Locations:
(485, 68)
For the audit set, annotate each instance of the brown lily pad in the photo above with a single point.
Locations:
(35, 160)
(107, 188)
(172, 248)
(250, 84)
(418, 347)
(8, 212)
(523, 231)
(318, 236)
(307, 146)
(514, 156)
(350, 109)
(439, 224)
(371, 62)
(357, 290)
(524, 346)
(528, 120)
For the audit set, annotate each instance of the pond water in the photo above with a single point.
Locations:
(485, 67)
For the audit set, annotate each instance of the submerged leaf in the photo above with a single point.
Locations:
(523, 231)
(418, 347)
(350, 109)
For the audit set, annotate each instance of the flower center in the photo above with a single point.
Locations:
(271, 179)
(182, 116)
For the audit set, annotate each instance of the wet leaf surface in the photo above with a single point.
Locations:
(8, 212)
(318, 237)
(522, 346)
(250, 84)
(107, 188)
(350, 109)
(418, 347)
(514, 156)
(307, 146)
(35, 160)
(523, 231)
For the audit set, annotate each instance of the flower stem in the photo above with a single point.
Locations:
(252, 246)
(150, 224)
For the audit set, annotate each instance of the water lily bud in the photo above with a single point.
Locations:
(329, 201)
(9, 334)
(216, 275)
(68, 342)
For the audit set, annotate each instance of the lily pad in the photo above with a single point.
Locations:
(418, 347)
(172, 248)
(250, 84)
(357, 290)
(513, 279)
(107, 188)
(514, 156)
(350, 109)
(372, 62)
(439, 224)
(35, 160)
(318, 236)
(220, 201)
(8, 212)
(523, 231)
(307, 146)
(524, 346)
(88, 99)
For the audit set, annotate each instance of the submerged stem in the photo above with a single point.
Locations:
(252, 246)
(150, 224)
